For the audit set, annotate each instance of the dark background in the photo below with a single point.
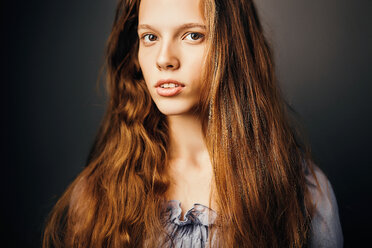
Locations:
(51, 54)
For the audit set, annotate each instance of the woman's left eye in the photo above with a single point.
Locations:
(194, 36)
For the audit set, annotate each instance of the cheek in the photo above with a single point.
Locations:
(141, 62)
(197, 67)
(145, 66)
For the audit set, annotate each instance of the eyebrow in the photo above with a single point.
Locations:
(181, 27)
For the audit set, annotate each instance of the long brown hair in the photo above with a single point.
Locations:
(258, 163)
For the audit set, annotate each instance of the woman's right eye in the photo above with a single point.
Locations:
(149, 38)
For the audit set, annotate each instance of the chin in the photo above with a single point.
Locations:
(170, 110)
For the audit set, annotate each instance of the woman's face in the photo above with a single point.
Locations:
(171, 52)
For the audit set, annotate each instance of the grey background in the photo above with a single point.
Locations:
(52, 52)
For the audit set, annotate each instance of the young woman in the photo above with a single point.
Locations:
(195, 149)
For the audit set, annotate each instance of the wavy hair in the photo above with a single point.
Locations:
(258, 161)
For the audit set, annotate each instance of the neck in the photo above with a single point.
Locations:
(187, 139)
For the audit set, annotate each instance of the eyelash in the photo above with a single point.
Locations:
(201, 36)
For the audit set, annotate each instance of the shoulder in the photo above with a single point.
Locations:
(325, 225)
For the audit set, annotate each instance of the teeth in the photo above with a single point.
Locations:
(171, 85)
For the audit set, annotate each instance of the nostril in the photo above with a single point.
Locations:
(167, 64)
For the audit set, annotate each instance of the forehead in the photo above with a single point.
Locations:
(169, 12)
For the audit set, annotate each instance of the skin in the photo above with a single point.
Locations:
(169, 51)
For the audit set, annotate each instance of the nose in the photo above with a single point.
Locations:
(168, 57)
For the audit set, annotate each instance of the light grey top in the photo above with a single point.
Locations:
(326, 226)
(192, 231)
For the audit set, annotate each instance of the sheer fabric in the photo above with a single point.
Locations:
(193, 230)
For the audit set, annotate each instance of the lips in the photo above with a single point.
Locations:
(168, 81)
(171, 91)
